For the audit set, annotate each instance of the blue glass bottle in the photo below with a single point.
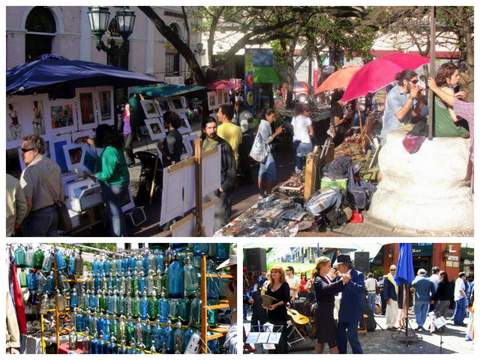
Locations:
(169, 337)
(222, 251)
(101, 345)
(139, 263)
(183, 311)
(195, 310)
(79, 322)
(119, 265)
(147, 335)
(159, 263)
(186, 337)
(111, 303)
(132, 263)
(107, 267)
(163, 308)
(96, 266)
(20, 256)
(32, 283)
(145, 264)
(94, 346)
(213, 284)
(50, 286)
(200, 249)
(157, 335)
(61, 265)
(71, 264)
(47, 263)
(141, 282)
(144, 306)
(175, 279)
(73, 299)
(92, 322)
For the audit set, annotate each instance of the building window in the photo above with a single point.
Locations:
(41, 30)
(172, 57)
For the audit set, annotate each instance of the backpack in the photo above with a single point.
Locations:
(260, 149)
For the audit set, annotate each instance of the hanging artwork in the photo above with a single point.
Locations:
(73, 156)
(81, 137)
(178, 103)
(38, 122)
(155, 129)
(86, 109)
(56, 150)
(162, 106)
(149, 109)
(185, 128)
(62, 116)
(14, 127)
(212, 105)
(219, 97)
(89, 159)
(105, 105)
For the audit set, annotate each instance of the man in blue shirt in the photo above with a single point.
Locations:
(424, 291)
(403, 102)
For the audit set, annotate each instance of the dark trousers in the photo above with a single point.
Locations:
(43, 222)
(113, 196)
(348, 330)
(223, 212)
(128, 139)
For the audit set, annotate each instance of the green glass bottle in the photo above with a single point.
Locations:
(22, 276)
(102, 301)
(136, 306)
(38, 257)
(152, 307)
(130, 332)
(114, 327)
(134, 284)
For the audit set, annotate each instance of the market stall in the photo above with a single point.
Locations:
(78, 299)
(64, 101)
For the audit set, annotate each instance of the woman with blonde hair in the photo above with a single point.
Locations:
(277, 311)
(325, 291)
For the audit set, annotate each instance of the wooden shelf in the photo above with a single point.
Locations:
(217, 307)
(219, 276)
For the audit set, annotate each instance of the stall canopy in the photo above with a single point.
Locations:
(58, 75)
(166, 90)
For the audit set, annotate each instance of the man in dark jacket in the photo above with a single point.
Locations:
(210, 140)
(351, 306)
(390, 294)
(173, 143)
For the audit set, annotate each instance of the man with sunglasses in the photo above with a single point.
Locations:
(403, 103)
(42, 186)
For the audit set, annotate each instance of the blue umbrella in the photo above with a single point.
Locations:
(405, 273)
(55, 73)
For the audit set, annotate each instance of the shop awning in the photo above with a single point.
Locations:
(52, 73)
(265, 75)
(166, 90)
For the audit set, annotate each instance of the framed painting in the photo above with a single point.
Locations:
(81, 137)
(149, 109)
(178, 103)
(162, 105)
(56, 150)
(73, 156)
(15, 129)
(38, 115)
(185, 128)
(106, 113)
(155, 129)
(62, 116)
(89, 159)
(212, 104)
(87, 118)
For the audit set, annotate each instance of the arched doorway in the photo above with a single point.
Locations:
(41, 29)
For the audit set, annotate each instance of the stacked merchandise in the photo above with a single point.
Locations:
(139, 301)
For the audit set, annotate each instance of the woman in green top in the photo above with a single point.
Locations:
(113, 177)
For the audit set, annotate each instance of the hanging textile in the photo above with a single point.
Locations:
(18, 300)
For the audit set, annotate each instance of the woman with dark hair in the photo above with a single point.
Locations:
(304, 285)
(113, 176)
(443, 295)
(445, 124)
(325, 291)
(404, 103)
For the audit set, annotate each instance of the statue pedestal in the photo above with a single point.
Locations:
(424, 191)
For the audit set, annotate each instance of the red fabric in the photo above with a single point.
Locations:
(412, 143)
(378, 73)
(303, 285)
(18, 301)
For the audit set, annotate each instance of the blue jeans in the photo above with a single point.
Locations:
(268, 170)
(460, 312)
(348, 330)
(43, 222)
(371, 298)
(421, 311)
(114, 196)
(301, 152)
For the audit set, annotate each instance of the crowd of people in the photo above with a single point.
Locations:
(336, 321)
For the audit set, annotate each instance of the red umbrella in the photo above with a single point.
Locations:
(380, 72)
(339, 79)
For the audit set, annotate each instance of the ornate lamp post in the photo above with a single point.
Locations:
(99, 17)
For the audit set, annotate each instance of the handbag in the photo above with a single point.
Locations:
(259, 151)
(64, 221)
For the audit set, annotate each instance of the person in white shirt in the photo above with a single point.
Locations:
(302, 133)
(293, 282)
(371, 286)
(390, 293)
(460, 300)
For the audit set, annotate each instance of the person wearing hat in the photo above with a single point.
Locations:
(390, 294)
(230, 344)
(424, 291)
(351, 305)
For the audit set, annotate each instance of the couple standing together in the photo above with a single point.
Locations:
(328, 283)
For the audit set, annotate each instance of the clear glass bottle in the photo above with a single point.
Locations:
(48, 262)
(61, 264)
(73, 299)
(163, 308)
(72, 340)
(191, 280)
(19, 256)
(141, 282)
(60, 301)
(139, 332)
(178, 339)
(195, 310)
(159, 263)
(44, 305)
(29, 256)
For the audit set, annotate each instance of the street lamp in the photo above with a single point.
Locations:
(99, 17)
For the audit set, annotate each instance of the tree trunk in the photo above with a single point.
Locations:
(177, 43)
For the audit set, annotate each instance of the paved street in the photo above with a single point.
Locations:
(388, 342)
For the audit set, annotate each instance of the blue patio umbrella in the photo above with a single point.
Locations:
(405, 273)
(56, 74)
